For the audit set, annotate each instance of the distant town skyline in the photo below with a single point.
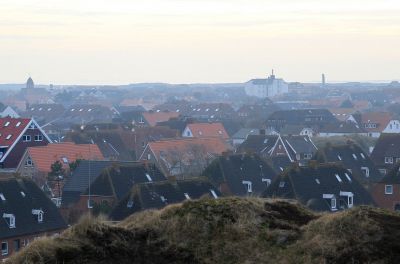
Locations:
(192, 41)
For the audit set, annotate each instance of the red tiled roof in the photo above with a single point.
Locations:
(44, 157)
(154, 117)
(380, 118)
(202, 130)
(11, 129)
(183, 145)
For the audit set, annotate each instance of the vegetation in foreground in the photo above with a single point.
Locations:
(229, 230)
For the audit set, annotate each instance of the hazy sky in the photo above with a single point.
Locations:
(186, 41)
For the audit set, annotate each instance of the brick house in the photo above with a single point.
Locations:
(386, 193)
(27, 214)
(16, 135)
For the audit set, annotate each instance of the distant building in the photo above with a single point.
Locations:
(264, 88)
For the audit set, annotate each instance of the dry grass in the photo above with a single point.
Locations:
(229, 230)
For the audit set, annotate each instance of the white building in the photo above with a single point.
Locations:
(264, 88)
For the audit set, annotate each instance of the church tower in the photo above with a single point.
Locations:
(30, 84)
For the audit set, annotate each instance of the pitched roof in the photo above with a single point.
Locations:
(380, 118)
(202, 130)
(21, 196)
(153, 195)
(388, 145)
(309, 184)
(351, 156)
(302, 116)
(11, 129)
(183, 145)
(342, 127)
(298, 144)
(257, 143)
(152, 118)
(44, 112)
(43, 157)
(118, 180)
(239, 170)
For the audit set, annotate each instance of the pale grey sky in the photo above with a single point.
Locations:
(186, 41)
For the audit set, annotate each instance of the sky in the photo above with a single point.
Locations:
(198, 41)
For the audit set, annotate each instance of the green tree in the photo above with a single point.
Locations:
(56, 170)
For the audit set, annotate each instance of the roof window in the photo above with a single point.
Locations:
(339, 157)
(10, 219)
(39, 213)
(281, 184)
(2, 197)
(354, 156)
(362, 155)
(214, 194)
(317, 181)
(338, 178)
(148, 177)
(18, 124)
(187, 196)
(9, 136)
(7, 124)
(249, 186)
(348, 177)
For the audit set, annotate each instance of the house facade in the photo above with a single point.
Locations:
(386, 193)
(27, 215)
(265, 88)
(16, 135)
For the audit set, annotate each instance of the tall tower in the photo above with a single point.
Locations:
(323, 81)
(30, 84)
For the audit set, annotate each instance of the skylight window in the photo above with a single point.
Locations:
(362, 155)
(265, 141)
(354, 156)
(163, 199)
(8, 137)
(23, 194)
(187, 196)
(89, 110)
(338, 178)
(317, 181)
(40, 109)
(48, 109)
(339, 157)
(2, 197)
(80, 110)
(18, 124)
(73, 109)
(214, 194)
(216, 110)
(148, 177)
(7, 124)
(348, 177)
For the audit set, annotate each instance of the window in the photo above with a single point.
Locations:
(26, 138)
(187, 196)
(362, 155)
(338, 178)
(389, 160)
(4, 248)
(348, 177)
(214, 194)
(317, 181)
(39, 214)
(29, 162)
(18, 124)
(307, 156)
(267, 181)
(333, 203)
(129, 204)
(2, 197)
(388, 189)
(350, 201)
(354, 156)
(148, 177)
(7, 124)
(10, 219)
(89, 204)
(365, 171)
(17, 245)
(249, 186)
(65, 160)
(39, 137)
(281, 184)
(149, 156)
(8, 137)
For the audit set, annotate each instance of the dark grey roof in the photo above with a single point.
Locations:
(388, 145)
(159, 194)
(257, 143)
(309, 184)
(291, 129)
(21, 197)
(306, 117)
(233, 170)
(298, 144)
(244, 132)
(342, 127)
(352, 157)
(78, 181)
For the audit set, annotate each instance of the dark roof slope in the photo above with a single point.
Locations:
(352, 157)
(388, 145)
(309, 184)
(21, 196)
(160, 194)
(237, 171)
(257, 143)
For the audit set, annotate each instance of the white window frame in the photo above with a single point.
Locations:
(333, 203)
(38, 137)
(366, 171)
(249, 186)
(26, 138)
(386, 189)
(4, 252)
(389, 160)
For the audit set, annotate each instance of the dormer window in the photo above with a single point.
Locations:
(350, 198)
(365, 171)
(39, 214)
(389, 160)
(331, 199)
(267, 181)
(249, 186)
(10, 220)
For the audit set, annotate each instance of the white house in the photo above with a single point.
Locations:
(264, 88)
